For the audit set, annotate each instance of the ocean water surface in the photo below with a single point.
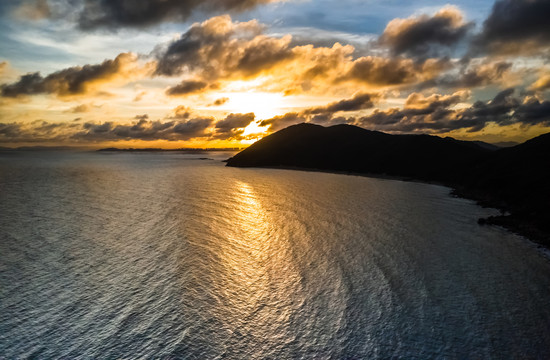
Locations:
(165, 255)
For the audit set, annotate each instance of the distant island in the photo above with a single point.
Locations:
(114, 149)
(515, 180)
(194, 150)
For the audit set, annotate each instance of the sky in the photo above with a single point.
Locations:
(225, 73)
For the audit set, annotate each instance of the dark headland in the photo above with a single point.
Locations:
(515, 180)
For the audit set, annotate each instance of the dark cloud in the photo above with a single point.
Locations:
(481, 75)
(435, 101)
(71, 81)
(145, 129)
(179, 127)
(219, 48)
(232, 127)
(10, 130)
(92, 14)
(382, 71)
(282, 121)
(357, 102)
(425, 35)
(324, 114)
(181, 113)
(263, 53)
(36, 131)
(187, 87)
(82, 108)
(141, 129)
(29, 84)
(220, 101)
(184, 129)
(499, 111)
(142, 117)
(515, 26)
(233, 121)
(533, 112)
(468, 75)
(193, 128)
(436, 114)
(137, 13)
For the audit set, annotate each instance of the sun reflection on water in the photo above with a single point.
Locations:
(259, 274)
(248, 242)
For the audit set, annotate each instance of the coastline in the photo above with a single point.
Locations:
(508, 220)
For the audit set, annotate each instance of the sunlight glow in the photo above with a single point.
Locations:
(264, 105)
(254, 128)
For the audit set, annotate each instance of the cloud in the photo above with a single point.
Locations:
(424, 36)
(436, 115)
(484, 74)
(144, 129)
(232, 127)
(29, 84)
(220, 48)
(82, 108)
(324, 114)
(34, 10)
(359, 101)
(543, 83)
(181, 113)
(192, 128)
(420, 102)
(141, 129)
(533, 112)
(78, 80)
(220, 101)
(186, 87)
(499, 110)
(36, 131)
(140, 96)
(233, 121)
(515, 27)
(10, 130)
(179, 126)
(113, 14)
(471, 74)
(282, 121)
(415, 56)
(217, 51)
(138, 13)
(263, 53)
(382, 71)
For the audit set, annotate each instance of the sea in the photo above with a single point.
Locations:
(173, 255)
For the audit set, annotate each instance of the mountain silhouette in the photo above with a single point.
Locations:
(515, 180)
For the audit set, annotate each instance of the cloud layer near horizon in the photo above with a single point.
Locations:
(427, 73)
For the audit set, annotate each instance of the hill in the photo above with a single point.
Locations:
(514, 179)
(353, 149)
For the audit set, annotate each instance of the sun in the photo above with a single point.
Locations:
(264, 105)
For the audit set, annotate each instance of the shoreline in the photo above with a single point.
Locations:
(507, 220)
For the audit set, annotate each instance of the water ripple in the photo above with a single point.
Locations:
(155, 256)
